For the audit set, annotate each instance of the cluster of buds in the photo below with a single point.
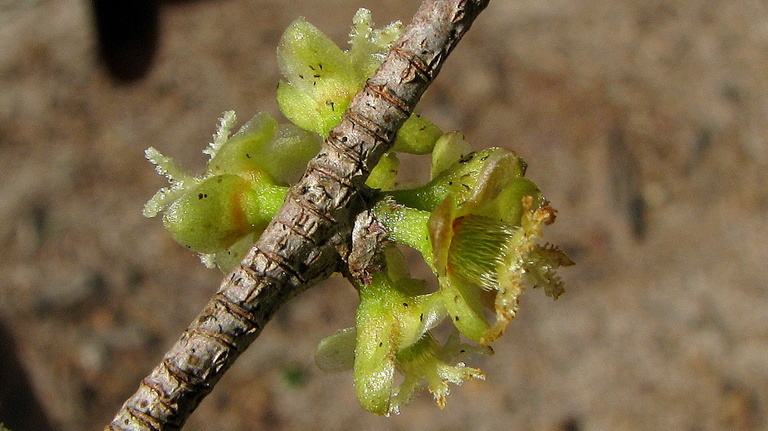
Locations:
(477, 223)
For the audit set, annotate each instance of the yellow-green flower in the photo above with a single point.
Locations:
(484, 238)
(477, 223)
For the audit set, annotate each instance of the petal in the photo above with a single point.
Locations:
(465, 307)
(501, 167)
(456, 182)
(441, 234)
(317, 112)
(306, 56)
(336, 352)
(241, 153)
(285, 157)
(449, 149)
(368, 46)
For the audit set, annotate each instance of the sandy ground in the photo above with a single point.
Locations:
(644, 121)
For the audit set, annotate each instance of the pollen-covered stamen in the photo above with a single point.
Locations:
(540, 266)
(479, 247)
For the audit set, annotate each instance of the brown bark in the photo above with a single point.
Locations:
(309, 239)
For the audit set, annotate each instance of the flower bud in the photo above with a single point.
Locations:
(261, 147)
(320, 78)
(210, 216)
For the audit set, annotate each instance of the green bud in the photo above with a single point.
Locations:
(417, 136)
(320, 78)
(221, 213)
(240, 154)
(262, 146)
(213, 215)
(384, 174)
(210, 216)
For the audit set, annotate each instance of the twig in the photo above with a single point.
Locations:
(309, 238)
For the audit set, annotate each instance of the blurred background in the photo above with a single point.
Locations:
(645, 122)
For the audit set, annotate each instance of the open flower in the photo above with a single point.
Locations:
(484, 239)
(477, 223)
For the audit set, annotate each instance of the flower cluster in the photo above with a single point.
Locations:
(477, 222)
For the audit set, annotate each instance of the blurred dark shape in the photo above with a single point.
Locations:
(637, 210)
(19, 407)
(626, 186)
(128, 36)
(570, 424)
